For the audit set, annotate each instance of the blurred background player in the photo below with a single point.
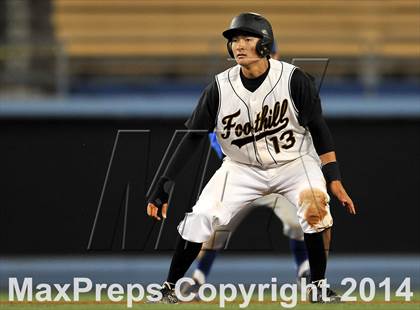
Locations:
(282, 208)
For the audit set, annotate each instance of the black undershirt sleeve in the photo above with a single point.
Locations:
(185, 150)
(321, 135)
(203, 118)
(205, 113)
(306, 99)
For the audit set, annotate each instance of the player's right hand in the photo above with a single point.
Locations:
(157, 206)
(153, 211)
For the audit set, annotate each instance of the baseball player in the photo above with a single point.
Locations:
(268, 120)
(282, 208)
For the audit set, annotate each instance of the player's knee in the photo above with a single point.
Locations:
(314, 203)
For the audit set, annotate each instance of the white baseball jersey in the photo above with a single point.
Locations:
(260, 128)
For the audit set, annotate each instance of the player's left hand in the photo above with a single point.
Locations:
(338, 190)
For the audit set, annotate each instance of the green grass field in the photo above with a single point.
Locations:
(90, 304)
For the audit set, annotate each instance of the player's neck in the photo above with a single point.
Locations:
(255, 69)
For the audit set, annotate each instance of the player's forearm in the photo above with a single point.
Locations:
(328, 158)
(183, 153)
(330, 167)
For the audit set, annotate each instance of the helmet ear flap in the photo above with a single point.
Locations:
(263, 47)
(260, 48)
(229, 48)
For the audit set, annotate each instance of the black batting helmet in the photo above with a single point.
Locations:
(255, 25)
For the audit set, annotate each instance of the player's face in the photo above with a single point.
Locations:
(244, 49)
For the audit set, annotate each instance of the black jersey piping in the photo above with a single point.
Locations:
(290, 94)
(262, 105)
(220, 102)
(249, 116)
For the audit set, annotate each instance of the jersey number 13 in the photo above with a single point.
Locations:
(287, 137)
